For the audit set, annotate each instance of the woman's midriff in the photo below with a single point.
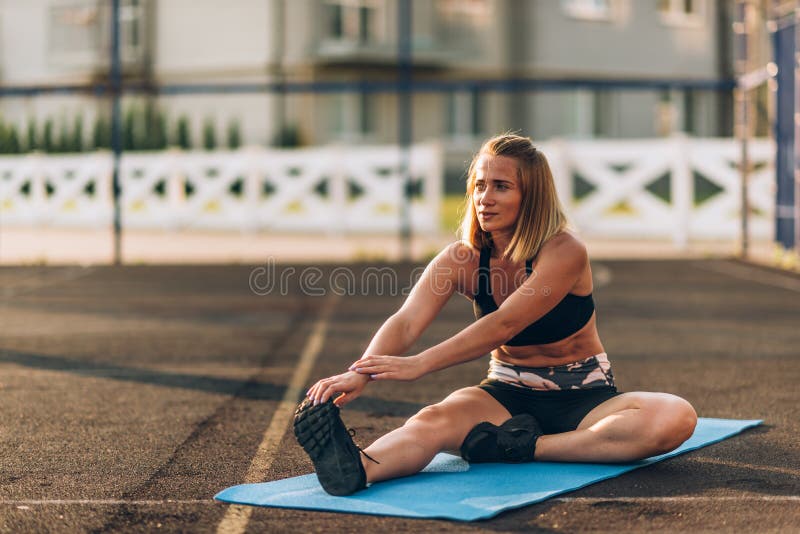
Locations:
(582, 344)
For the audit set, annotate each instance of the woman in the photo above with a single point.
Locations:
(549, 394)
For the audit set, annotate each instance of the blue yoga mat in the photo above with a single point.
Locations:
(450, 488)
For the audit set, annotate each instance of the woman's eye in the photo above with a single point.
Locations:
(502, 187)
(480, 187)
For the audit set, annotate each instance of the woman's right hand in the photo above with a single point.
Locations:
(350, 384)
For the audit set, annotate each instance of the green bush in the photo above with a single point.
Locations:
(101, 134)
(158, 132)
(130, 139)
(183, 135)
(155, 129)
(234, 135)
(14, 146)
(9, 139)
(76, 141)
(209, 135)
(32, 137)
(287, 137)
(48, 144)
(64, 138)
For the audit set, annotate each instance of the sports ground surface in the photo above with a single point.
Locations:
(129, 396)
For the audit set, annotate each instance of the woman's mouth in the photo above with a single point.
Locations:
(486, 215)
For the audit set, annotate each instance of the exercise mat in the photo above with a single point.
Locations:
(450, 488)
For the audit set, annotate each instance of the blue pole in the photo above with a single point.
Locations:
(785, 134)
(115, 76)
(404, 119)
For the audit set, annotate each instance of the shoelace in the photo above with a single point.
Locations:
(352, 435)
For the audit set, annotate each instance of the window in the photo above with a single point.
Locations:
(464, 114)
(587, 9)
(352, 115)
(682, 12)
(79, 31)
(130, 29)
(75, 31)
(462, 26)
(472, 13)
(355, 21)
(579, 112)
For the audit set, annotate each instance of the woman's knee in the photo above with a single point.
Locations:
(674, 420)
(434, 417)
(448, 421)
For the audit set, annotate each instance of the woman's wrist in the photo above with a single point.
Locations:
(364, 377)
(425, 362)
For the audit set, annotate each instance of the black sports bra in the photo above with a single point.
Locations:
(566, 318)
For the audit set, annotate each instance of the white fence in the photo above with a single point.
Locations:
(330, 189)
(677, 188)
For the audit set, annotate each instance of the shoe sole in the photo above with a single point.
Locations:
(338, 465)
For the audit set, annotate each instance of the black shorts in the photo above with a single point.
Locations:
(557, 411)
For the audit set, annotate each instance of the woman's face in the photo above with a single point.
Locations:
(497, 196)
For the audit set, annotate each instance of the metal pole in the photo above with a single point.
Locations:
(116, 130)
(741, 30)
(276, 71)
(404, 119)
(797, 127)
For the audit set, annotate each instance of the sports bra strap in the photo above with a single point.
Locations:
(483, 272)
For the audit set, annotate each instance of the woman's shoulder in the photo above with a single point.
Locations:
(566, 246)
(456, 262)
(459, 253)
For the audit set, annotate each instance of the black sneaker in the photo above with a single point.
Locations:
(512, 442)
(337, 460)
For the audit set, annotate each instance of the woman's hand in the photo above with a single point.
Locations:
(390, 367)
(350, 384)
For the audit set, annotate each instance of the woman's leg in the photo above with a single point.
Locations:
(436, 428)
(625, 428)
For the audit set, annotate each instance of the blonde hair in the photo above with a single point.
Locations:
(541, 215)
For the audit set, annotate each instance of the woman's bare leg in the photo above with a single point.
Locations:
(625, 428)
(436, 428)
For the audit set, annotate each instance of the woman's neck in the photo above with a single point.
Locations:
(500, 242)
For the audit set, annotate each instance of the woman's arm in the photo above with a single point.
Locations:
(563, 259)
(443, 276)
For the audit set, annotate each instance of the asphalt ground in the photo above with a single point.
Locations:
(130, 395)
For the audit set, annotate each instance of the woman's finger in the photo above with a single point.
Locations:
(371, 360)
(386, 375)
(374, 369)
(326, 392)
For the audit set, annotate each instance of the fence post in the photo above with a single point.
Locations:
(681, 190)
(38, 189)
(557, 156)
(176, 192)
(251, 188)
(338, 185)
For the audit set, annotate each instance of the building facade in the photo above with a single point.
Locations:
(167, 42)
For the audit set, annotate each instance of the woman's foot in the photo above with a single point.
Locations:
(337, 460)
(512, 442)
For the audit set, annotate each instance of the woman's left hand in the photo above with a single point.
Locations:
(390, 367)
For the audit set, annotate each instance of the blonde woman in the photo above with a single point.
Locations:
(549, 394)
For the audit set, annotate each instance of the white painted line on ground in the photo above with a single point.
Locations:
(682, 499)
(28, 503)
(22, 287)
(237, 517)
(743, 272)
(101, 502)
